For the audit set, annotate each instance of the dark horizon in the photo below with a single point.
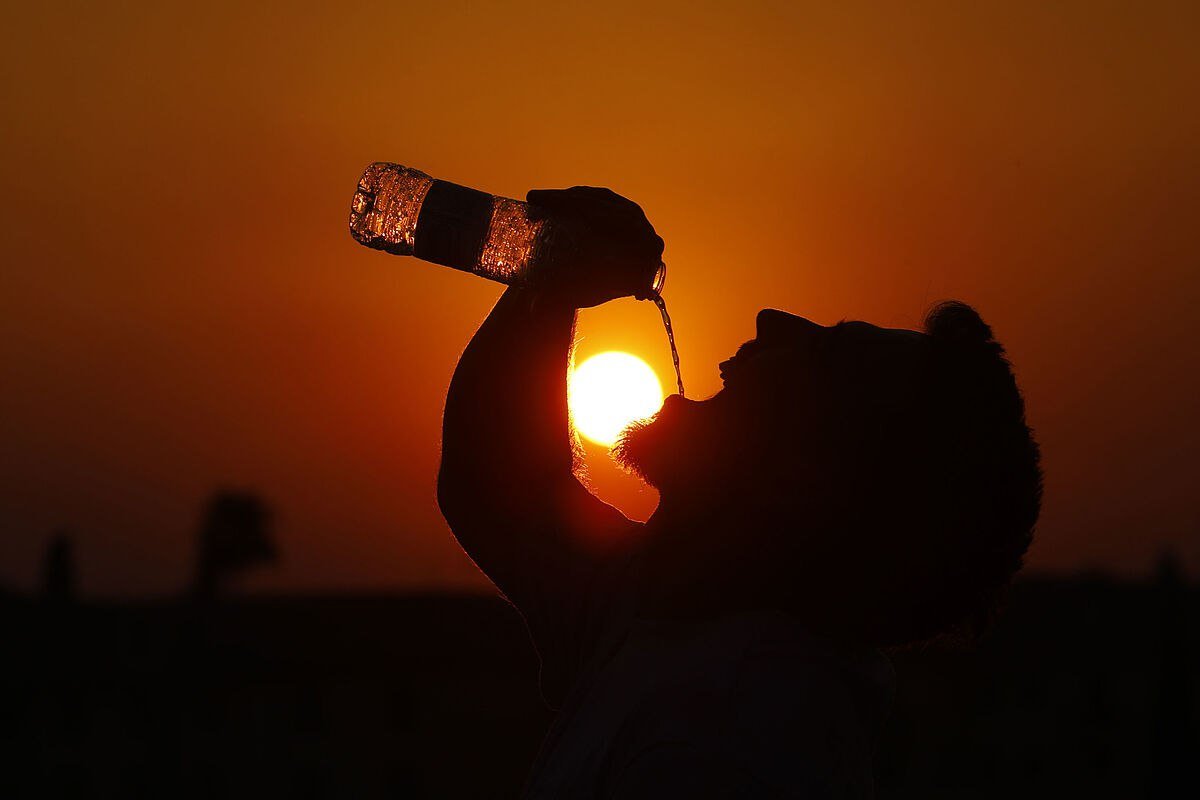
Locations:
(451, 707)
(250, 587)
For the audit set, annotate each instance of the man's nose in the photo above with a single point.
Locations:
(773, 324)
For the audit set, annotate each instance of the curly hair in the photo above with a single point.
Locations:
(984, 464)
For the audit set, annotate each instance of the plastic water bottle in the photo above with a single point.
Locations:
(405, 212)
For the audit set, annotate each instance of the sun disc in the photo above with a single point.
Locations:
(610, 390)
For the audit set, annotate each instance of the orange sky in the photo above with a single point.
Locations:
(181, 305)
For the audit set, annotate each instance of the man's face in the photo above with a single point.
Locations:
(783, 391)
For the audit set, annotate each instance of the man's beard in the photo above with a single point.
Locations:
(638, 450)
(664, 450)
(695, 449)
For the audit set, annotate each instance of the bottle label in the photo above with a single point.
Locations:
(453, 225)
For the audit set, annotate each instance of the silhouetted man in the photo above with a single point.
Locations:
(850, 488)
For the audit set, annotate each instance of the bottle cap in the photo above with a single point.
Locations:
(656, 285)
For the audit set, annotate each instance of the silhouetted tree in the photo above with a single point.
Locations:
(234, 535)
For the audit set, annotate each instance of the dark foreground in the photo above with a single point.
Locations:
(1086, 688)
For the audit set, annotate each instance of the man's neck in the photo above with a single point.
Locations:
(701, 561)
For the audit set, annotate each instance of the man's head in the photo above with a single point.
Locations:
(888, 474)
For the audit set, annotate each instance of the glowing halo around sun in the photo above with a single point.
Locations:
(610, 390)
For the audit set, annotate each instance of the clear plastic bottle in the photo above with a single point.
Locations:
(405, 212)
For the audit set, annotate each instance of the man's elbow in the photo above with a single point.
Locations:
(453, 494)
(468, 497)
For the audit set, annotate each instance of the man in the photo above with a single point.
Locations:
(850, 488)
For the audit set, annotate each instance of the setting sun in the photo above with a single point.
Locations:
(610, 390)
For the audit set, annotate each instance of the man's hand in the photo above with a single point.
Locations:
(616, 254)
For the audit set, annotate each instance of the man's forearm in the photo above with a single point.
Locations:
(507, 486)
(506, 419)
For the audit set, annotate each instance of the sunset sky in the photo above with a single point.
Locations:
(182, 307)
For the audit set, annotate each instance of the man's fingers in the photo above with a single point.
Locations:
(560, 200)
(628, 237)
(590, 200)
(546, 198)
(560, 203)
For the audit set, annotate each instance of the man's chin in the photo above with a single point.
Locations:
(639, 450)
(659, 450)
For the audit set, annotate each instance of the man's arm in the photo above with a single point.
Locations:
(507, 485)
